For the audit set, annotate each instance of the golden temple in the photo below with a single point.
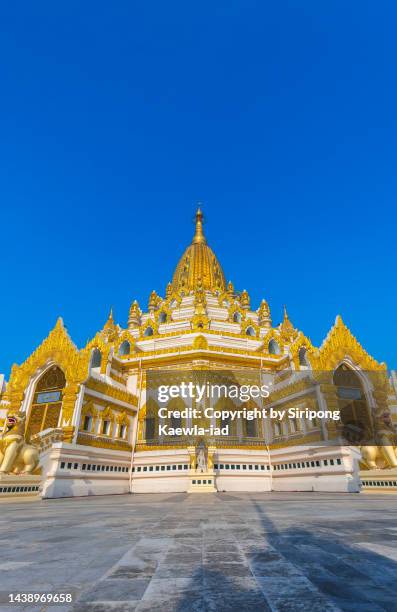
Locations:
(89, 407)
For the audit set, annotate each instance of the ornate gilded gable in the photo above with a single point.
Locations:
(58, 348)
(339, 344)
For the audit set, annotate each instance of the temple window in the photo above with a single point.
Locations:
(312, 423)
(176, 422)
(96, 358)
(277, 429)
(251, 429)
(250, 331)
(87, 424)
(302, 356)
(148, 331)
(237, 317)
(123, 431)
(106, 427)
(274, 348)
(125, 348)
(47, 401)
(162, 317)
(150, 425)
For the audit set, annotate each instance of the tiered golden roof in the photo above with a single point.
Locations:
(198, 265)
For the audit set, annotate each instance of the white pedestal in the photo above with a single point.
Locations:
(379, 481)
(17, 485)
(201, 482)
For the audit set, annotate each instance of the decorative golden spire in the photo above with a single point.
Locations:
(245, 300)
(110, 321)
(198, 265)
(288, 331)
(265, 319)
(134, 316)
(199, 237)
(110, 329)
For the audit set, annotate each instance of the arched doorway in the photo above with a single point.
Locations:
(354, 411)
(47, 401)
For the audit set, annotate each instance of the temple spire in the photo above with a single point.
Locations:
(199, 235)
(110, 320)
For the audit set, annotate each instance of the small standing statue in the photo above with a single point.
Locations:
(201, 460)
(16, 456)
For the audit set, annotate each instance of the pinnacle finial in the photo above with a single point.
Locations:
(110, 320)
(199, 235)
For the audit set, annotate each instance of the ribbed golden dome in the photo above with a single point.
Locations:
(199, 264)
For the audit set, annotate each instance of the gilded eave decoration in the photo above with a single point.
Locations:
(339, 344)
(249, 323)
(301, 341)
(105, 389)
(232, 311)
(272, 335)
(149, 323)
(125, 336)
(163, 309)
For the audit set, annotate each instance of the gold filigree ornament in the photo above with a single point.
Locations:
(200, 322)
(200, 343)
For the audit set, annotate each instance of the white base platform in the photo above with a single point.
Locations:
(74, 471)
(16, 485)
(202, 482)
(378, 480)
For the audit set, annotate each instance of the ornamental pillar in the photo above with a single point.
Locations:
(210, 461)
(68, 406)
(330, 396)
(192, 457)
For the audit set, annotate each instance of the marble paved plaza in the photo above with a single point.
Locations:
(221, 552)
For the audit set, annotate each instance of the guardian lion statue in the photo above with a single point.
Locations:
(379, 457)
(16, 456)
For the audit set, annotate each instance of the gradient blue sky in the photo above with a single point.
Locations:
(116, 118)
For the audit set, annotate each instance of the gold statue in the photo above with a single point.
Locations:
(380, 457)
(16, 456)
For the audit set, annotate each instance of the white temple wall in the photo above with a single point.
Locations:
(71, 471)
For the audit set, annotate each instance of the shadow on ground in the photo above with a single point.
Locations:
(291, 570)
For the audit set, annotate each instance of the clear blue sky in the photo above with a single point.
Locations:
(116, 118)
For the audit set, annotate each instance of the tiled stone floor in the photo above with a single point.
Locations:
(212, 552)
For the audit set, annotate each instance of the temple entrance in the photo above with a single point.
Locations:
(47, 401)
(353, 406)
